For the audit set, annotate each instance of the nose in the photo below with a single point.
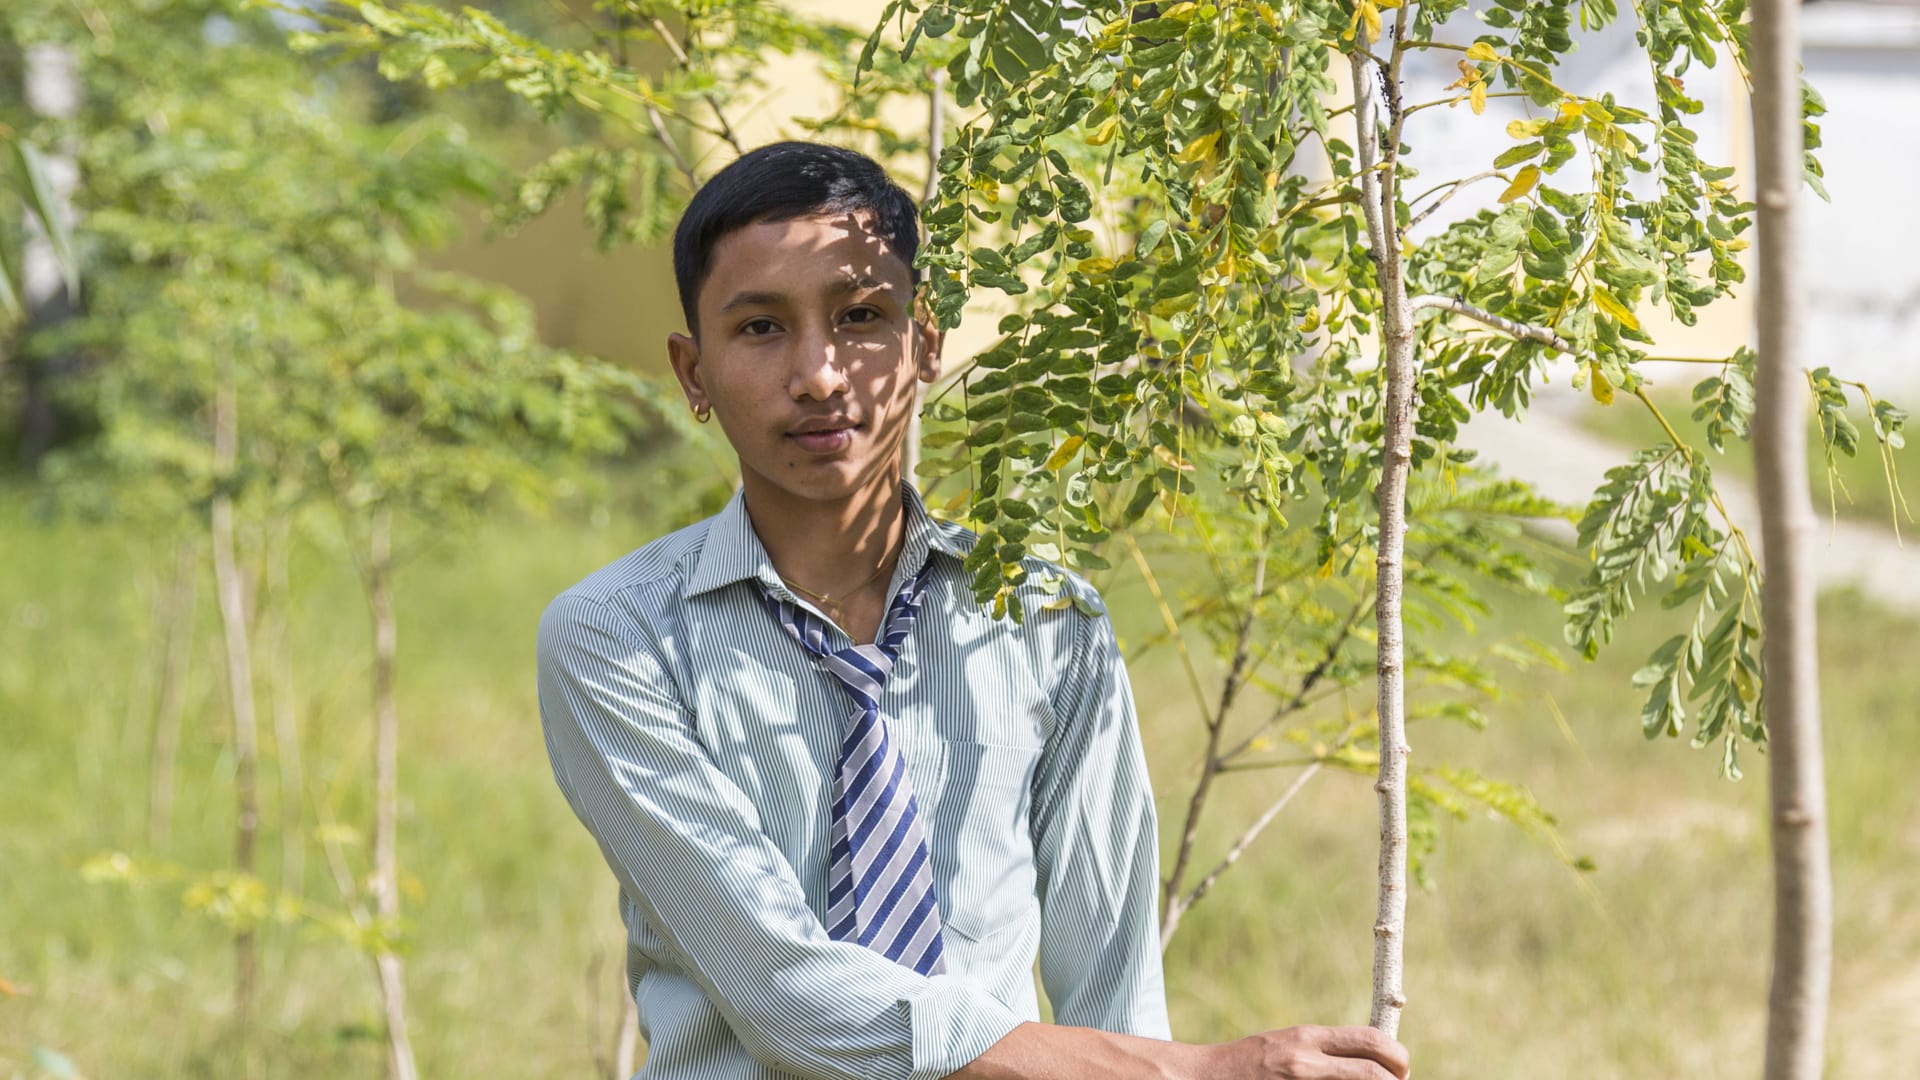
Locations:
(816, 372)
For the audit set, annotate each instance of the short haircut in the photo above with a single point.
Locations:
(780, 182)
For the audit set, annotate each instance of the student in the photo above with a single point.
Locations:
(847, 807)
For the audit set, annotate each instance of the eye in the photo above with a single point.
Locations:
(759, 327)
(862, 315)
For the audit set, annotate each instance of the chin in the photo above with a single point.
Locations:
(815, 480)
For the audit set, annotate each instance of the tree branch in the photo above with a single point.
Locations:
(1512, 327)
(1253, 832)
(1452, 190)
(673, 149)
(686, 64)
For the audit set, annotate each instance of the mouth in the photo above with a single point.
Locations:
(824, 435)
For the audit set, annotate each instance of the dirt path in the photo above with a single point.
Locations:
(1550, 450)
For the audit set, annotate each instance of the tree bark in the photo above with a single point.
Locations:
(1803, 887)
(626, 1048)
(175, 650)
(230, 590)
(1396, 340)
(386, 813)
(286, 721)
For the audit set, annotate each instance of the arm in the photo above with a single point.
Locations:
(687, 846)
(1096, 849)
(1097, 857)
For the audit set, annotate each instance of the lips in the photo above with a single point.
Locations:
(823, 434)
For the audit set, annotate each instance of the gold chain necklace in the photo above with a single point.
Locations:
(836, 609)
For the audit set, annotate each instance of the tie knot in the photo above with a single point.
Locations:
(863, 669)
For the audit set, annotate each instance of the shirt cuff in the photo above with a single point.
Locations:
(952, 1023)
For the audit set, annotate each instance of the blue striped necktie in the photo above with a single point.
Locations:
(880, 885)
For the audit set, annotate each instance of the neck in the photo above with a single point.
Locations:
(828, 547)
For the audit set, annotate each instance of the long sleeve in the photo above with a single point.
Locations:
(688, 847)
(1096, 850)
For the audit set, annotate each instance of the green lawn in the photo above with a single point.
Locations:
(1654, 965)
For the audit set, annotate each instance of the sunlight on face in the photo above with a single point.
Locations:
(808, 353)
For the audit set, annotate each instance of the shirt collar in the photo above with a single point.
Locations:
(732, 551)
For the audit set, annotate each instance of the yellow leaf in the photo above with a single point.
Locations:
(1096, 266)
(1609, 303)
(1523, 182)
(1168, 457)
(1366, 11)
(1525, 129)
(1104, 133)
(1479, 99)
(1571, 110)
(1199, 149)
(1480, 50)
(1065, 452)
(1602, 389)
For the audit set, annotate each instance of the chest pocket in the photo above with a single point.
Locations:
(982, 834)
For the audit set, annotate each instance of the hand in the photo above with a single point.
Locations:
(1314, 1053)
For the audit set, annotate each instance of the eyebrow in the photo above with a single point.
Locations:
(840, 287)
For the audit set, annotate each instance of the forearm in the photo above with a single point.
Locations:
(1036, 1051)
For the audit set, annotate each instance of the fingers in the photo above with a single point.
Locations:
(1346, 1068)
(1369, 1046)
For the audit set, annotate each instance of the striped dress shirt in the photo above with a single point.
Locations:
(698, 743)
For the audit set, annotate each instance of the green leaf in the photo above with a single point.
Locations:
(46, 210)
(1150, 237)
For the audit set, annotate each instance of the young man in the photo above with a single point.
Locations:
(847, 807)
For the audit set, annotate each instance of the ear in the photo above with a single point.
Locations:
(930, 339)
(683, 353)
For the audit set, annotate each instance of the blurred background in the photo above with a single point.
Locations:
(316, 386)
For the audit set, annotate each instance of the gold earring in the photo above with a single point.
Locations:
(702, 413)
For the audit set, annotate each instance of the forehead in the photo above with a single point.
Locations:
(803, 254)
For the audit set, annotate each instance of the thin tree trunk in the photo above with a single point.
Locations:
(626, 1049)
(176, 649)
(386, 812)
(1803, 888)
(286, 722)
(1396, 333)
(233, 623)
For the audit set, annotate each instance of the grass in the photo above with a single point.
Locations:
(1653, 965)
(1856, 488)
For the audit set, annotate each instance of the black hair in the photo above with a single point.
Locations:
(780, 182)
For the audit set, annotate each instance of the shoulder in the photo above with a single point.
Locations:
(629, 593)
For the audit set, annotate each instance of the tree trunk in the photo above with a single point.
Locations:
(233, 623)
(175, 650)
(52, 84)
(278, 613)
(1803, 888)
(386, 812)
(626, 1047)
(1396, 340)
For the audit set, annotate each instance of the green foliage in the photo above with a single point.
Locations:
(1215, 294)
(245, 230)
(35, 191)
(649, 82)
